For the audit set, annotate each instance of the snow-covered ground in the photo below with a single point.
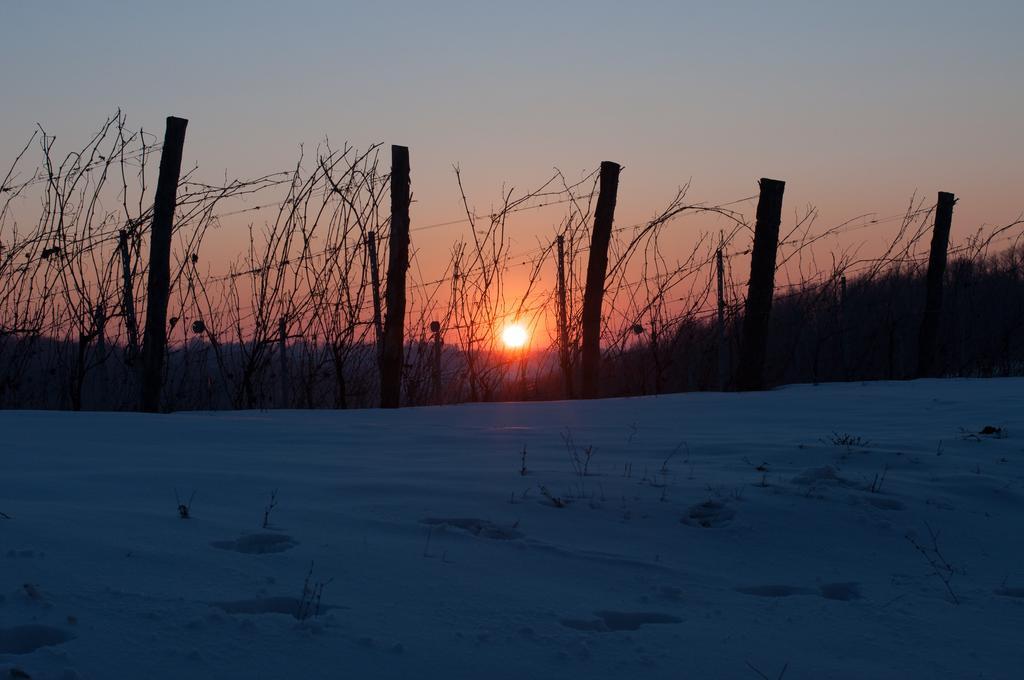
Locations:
(713, 536)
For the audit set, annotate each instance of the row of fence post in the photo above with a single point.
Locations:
(392, 351)
(929, 334)
(154, 341)
(389, 322)
(597, 265)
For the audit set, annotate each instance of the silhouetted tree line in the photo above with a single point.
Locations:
(818, 333)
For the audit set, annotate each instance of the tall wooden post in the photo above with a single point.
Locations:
(563, 320)
(754, 343)
(128, 297)
(99, 322)
(282, 350)
(844, 341)
(928, 338)
(378, 326)
(154, 343)
(597, 266)
(720, 275)
(392, 354)
(435, 363)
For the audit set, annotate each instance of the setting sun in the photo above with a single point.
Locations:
(514, 336)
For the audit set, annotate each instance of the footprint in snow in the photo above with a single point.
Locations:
(1010, 592)
(710, 514)
(477, 527)
(258, 544)
(291, 606)
(830, 591)
(840, 591)
(612, 621)
(773, 591)
(24, 554)
(826, 476)
(887, 503)
(27, 639)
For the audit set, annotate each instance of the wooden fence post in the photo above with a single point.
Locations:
(754, 343)
(100, 324)
(378, 326)
(154, 343)
(128, 297)
(597, 266)
(392, 353)
(844, 341)
(723, 371)
(435, 362)
(928, 338)
(563, 320)
(282, 350)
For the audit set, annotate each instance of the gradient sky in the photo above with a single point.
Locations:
(856, 105)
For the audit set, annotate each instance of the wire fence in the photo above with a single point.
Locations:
(294, 318)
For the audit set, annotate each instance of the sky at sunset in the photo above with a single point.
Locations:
(855, 105)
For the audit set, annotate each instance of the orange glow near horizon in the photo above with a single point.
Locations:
(515, 336)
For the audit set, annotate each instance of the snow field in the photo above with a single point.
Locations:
(712, 536)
